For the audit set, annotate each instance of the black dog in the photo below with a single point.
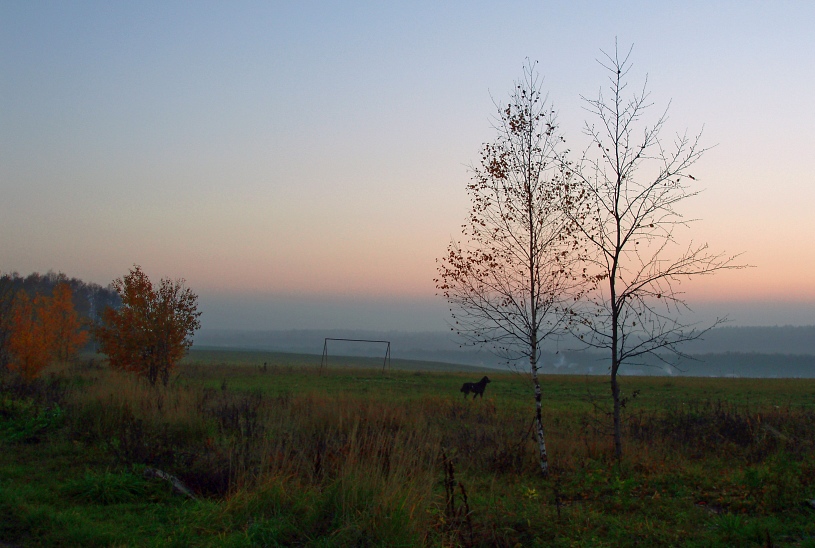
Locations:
(477, 388)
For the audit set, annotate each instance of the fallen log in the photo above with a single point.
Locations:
(178, 485)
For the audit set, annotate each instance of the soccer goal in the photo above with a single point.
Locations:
(385, 362)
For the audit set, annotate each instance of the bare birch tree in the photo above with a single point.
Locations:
(511, 282)
(633, 182)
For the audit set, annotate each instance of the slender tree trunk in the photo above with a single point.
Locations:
(615, 385)
(615, 365)
(534, 265)
(616, 307)
(615, 393)
(544, 458)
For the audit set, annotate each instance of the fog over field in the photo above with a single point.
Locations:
(727, 351)
(428, 313)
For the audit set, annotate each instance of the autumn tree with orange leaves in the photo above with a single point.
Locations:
(66, 325)
(31, 342)
(152, 330)
(43, 330)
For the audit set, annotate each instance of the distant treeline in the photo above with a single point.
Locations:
(787, 340)
(728, 351)
(89, 299)
(727, 364)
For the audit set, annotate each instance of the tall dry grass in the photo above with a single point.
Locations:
(370, 468)
(371, 465)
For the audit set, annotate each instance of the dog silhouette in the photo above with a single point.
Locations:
(477, 388)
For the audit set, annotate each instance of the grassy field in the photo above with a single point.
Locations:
(278, 452)
(226, 356)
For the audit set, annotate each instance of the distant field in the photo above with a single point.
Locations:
(556, 387)
(295, 373)
(219, 355)
(733, 365)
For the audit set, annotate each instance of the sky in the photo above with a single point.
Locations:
(303, 164)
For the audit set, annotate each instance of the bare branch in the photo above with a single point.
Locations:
(633, 184)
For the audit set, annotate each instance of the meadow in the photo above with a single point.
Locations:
(277, 452)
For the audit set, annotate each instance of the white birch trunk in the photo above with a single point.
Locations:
(544, 458)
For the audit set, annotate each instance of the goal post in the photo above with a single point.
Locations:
(386, 361)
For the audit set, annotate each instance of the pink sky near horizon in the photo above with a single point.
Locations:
(302, 152)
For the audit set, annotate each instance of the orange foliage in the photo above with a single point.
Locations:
(31, 342)
(152, 330)
(65, 323)
(43, 330)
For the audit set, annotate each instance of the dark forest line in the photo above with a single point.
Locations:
(89, 299)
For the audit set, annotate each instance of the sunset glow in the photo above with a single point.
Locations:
(305, 154)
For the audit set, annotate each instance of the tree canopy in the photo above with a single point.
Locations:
(153, 328)
(511, 282)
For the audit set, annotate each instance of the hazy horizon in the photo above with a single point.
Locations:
(303, 165)
(280, 312)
